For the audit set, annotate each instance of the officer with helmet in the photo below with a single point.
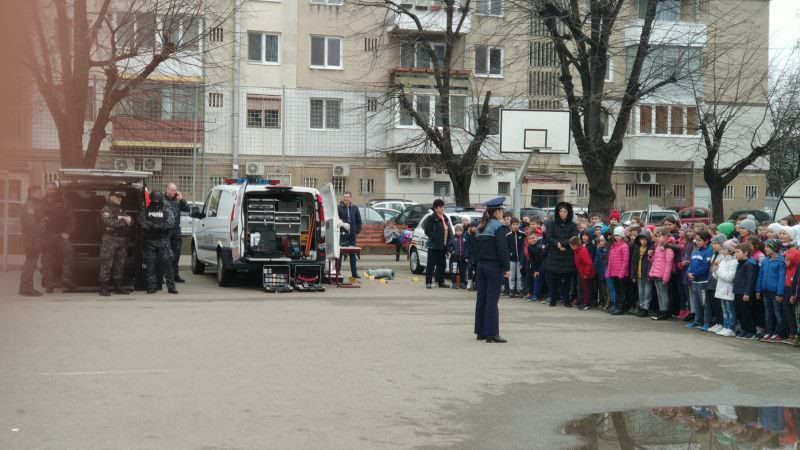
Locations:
(114, 245)
(157, 222)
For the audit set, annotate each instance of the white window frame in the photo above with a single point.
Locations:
(609, 78)
(751, 192)
(310, 182)
(328, 2)
(684, 121)
(325, 54)
(417, 49)
(325, 101)
(488, 73)
(432, 112)
(262, 60)
(489, 8)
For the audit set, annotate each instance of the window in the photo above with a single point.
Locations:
(494, 118)
(263, 48)
(489, 7)
(656, 190)
(582, 189)
(679, 191)
(422, 104)
(367, 186)
(263, 111)
(441, 188)
(339, 184)
(489, 61)
(326, 52)
(328, 2)
(457, 106)
(214, 100)
(729, 192)
(212, 202)
(503, 188)
(372, 105)
(691, 120)
(370, 44)
(645, 119)
(662, 113)
(135, 30)
(310, 182)
(414, 54)
(751, 192)
(215, 34)
(181, 30)
(604, 122)
(609, 67)
(675, 120)
(665, 9)
(326, 113)
(631, 190)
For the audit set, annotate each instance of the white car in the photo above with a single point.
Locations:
(418, 248)
(286, 233)
(398, 205)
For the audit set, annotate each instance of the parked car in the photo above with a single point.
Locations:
(186, 219)
(418, 249)
(85, 192)
(532, 212)
(277, 231)
(760, 216)
(458, 217)
(411, 216)
(649, 217)
(388, 213)
(694, 214)
(370, 216)
(396, 204)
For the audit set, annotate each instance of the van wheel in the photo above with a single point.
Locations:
(413, 262)
(224, 276)
(198, 267)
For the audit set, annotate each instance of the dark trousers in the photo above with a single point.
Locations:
(435, 265)
(157, 257)
(745, 313)
(559, 284)
(789, 321)
(716, 308)
(32, 254)
(620, 287)
(460, 265)
(58, 256)
(488, 280)
(175, 241)
(587, 290)
(113, 251)
(350, 240)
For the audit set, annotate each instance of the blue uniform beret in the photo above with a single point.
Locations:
(495, 202)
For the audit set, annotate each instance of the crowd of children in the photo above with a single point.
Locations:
(735, 280)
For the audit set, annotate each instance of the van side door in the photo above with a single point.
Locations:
(205, 240)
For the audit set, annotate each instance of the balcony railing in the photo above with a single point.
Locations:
(668, 33)
(433, 20)
(422, 78)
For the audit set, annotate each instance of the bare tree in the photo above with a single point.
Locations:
(121, 42)
(439, 33)
(743, 116)
(583, 33)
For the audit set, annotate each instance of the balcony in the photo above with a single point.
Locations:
(668, 33)
(656, 150)
(155, 133)
(433, 20)
(422, 78)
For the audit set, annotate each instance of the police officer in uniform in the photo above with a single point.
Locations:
(157, 222)
(494, 262)
(59, 224)
(175, 200)
(114, 246)
(32, 232)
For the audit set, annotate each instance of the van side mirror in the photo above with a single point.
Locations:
(196, 213)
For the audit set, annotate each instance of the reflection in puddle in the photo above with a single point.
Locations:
(690, 428)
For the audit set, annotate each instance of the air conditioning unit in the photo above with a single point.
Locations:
(253, 169)
(484, 170)
(426, 173)
(125, 164)
(151, 164)
(645, 178)
(341, 170)
(406, 170)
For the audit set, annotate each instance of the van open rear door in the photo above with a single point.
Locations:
(237, 225)
(332, 221)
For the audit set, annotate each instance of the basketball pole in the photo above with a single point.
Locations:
(516, 199)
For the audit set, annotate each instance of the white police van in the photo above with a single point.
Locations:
(284, 233)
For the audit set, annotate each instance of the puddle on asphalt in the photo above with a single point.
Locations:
(689, 428)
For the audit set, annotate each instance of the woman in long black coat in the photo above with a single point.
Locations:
(559, 262)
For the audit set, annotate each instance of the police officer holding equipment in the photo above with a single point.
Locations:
(59, 223)
(493, 260)
(114, 247)
(157, 221)
(175, 200)
(32, 232)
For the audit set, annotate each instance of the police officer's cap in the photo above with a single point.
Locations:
(495, 202)
(156, 197)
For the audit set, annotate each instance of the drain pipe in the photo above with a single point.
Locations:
(237, 86)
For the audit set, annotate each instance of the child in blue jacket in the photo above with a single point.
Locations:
(458, 247)
(698, 273)
(770, 289)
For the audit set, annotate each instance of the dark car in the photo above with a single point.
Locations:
(412, 215)
(760, 216)
(85, 192)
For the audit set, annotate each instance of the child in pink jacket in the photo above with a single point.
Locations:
(661, 270)
(617, 270)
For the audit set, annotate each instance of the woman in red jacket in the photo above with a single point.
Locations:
(585, 267)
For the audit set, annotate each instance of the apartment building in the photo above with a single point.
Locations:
(297, 90)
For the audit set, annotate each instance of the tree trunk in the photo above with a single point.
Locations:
(461, 183)
(717, 204)
(601, 190)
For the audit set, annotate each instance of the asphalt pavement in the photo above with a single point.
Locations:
(389, 365)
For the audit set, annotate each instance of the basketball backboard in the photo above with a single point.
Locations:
(541, 131)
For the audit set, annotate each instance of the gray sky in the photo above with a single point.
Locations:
(784, 18)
